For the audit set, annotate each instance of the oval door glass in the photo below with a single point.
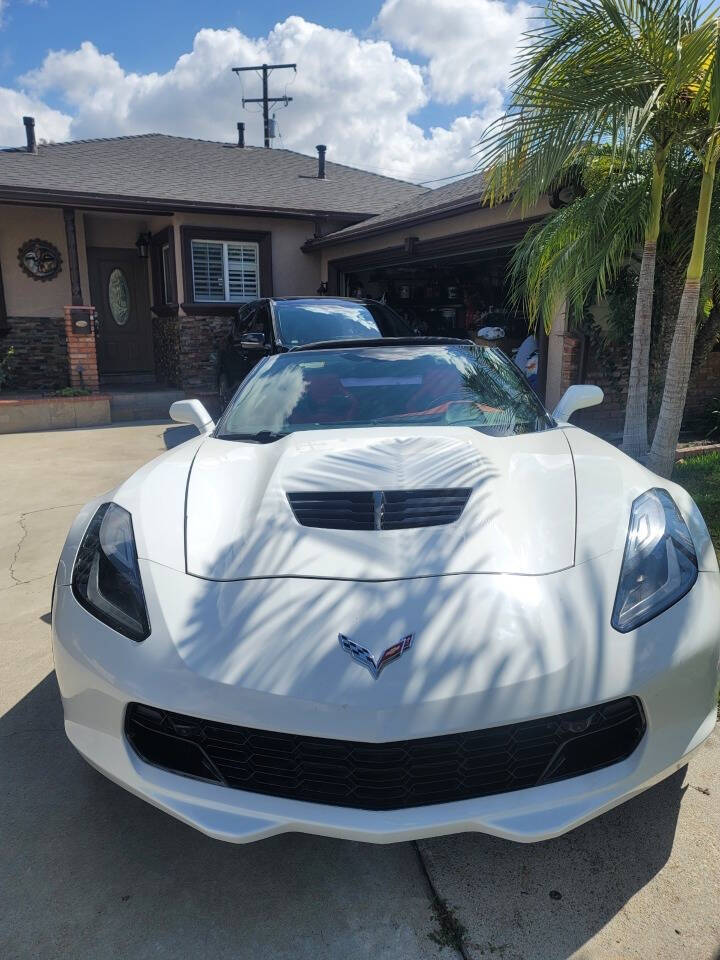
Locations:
(119, 297)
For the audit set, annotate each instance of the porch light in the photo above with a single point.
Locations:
(143, 245)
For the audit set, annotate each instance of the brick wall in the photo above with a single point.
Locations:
(198, 338)
(82, 349)
(704, 388)
(166, 350)
(183, 348)
(41, 361)
(611, 374)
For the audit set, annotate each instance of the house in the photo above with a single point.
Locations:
(164, 236)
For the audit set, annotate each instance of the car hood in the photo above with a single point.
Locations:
(519, 518)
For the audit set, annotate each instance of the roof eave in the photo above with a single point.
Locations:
(161, 205)
(388, 226)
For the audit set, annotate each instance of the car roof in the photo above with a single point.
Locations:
(320, 299)
(383, 342)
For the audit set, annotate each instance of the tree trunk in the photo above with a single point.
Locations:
(662, 454)
(635, 437)
(635, 440)
(709, 330)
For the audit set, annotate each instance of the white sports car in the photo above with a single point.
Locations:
(388, 596)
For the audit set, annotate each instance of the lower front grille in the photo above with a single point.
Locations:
(388, 776)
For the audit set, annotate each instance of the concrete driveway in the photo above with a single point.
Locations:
(89, 871)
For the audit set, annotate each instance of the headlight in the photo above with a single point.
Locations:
(659, 565)
(106, 578)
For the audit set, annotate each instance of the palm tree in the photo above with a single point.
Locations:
(707, 97)
(588, 251)
(578, 251)
(602, 72)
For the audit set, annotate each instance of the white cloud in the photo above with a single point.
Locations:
(14, 105)
(356, 95)
(469, 44)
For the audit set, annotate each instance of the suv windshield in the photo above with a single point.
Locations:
(310, 321)
(462, 386)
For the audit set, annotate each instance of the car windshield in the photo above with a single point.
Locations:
(423, 385)
(310, 321)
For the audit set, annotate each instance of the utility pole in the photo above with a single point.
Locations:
(266, 100)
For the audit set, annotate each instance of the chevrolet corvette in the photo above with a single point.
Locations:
(388, 596)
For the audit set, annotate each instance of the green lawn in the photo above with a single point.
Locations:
(701, 478)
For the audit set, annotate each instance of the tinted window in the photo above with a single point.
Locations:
(307, 321)
(244, 318)
(392, 386)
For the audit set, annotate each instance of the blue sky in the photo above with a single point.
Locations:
(404, 86)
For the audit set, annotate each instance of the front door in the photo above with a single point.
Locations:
(119, 292)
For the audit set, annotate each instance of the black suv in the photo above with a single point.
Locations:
(278, 324)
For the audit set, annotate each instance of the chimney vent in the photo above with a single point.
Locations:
(321, 148)
(241, 134)
(30, 134)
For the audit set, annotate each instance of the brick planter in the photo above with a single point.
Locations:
(21, 414)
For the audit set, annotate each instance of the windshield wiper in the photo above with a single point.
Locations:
(262, 436)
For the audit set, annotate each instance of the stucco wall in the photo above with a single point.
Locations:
(294, 272)
(113, 230)
(25, 297)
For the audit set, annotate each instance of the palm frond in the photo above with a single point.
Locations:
(580, 248)
(594, 73)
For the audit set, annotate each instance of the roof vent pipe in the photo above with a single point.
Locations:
(30, 134)
(321, 148)
(241, 134)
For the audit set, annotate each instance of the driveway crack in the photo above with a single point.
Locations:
(16, 555)
(21, 520)
(450, 932)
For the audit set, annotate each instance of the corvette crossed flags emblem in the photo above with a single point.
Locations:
(363, 656)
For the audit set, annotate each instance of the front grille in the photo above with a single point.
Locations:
(379, 509)
(387, 776)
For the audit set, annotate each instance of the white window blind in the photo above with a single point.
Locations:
(225, 271)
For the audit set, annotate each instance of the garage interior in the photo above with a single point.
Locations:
(455, 295)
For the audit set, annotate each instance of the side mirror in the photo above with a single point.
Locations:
(577, 397)
(253, 341)
(192, 411)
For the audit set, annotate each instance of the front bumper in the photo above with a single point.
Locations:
(490, 650)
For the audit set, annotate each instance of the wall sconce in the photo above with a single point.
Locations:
(143, 245)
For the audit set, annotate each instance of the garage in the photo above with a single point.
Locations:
(443, 278)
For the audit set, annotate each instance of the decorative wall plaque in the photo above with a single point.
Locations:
(40, 259)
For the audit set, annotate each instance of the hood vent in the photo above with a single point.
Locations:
(379, 509)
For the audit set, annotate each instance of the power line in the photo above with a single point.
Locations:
(266, 100)
(453, 176)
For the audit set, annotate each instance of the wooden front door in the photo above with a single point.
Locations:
(119, 291)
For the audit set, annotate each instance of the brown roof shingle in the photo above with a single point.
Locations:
(450, 198)
(182, 171)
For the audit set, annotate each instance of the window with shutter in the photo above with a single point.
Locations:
(225, 271)
(242, 270)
